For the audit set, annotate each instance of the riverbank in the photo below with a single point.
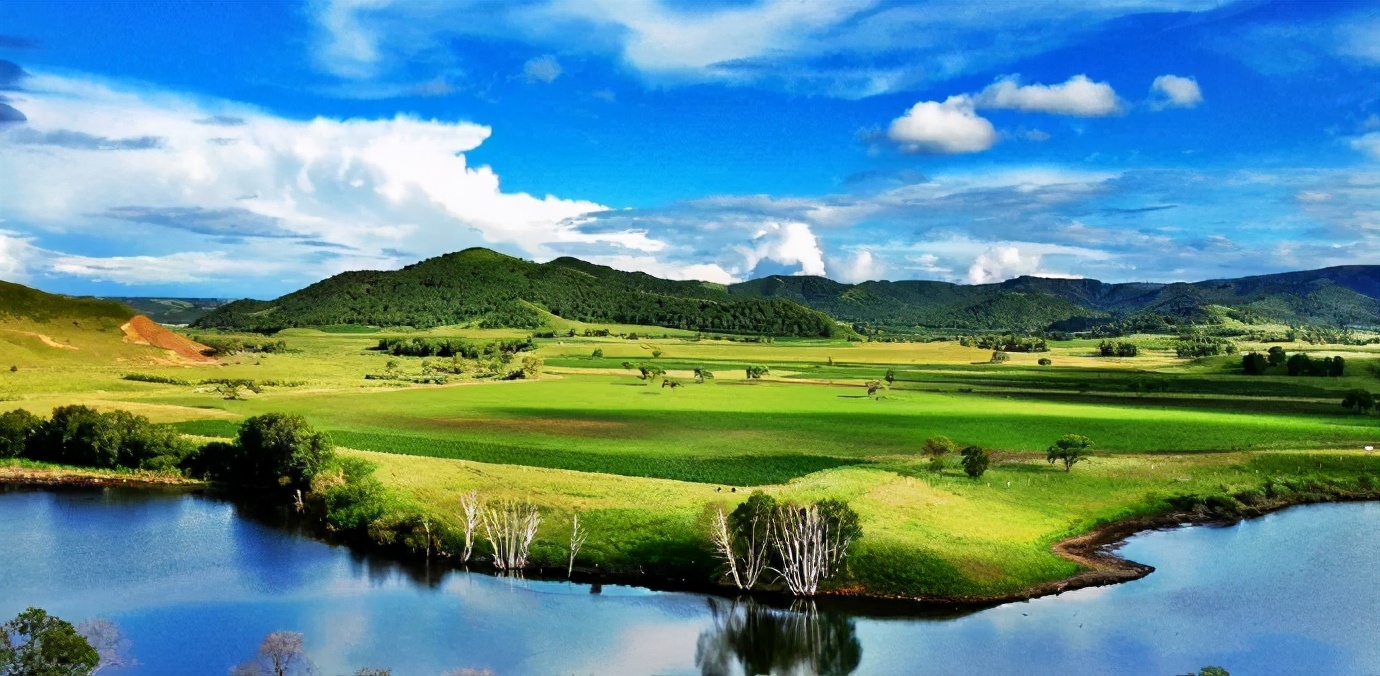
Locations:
(24, 473)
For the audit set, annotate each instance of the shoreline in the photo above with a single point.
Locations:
(1094, 550)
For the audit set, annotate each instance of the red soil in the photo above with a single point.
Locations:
(145, 331)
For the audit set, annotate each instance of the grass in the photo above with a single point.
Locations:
(643, 464)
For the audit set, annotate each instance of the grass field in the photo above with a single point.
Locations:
(643, 463)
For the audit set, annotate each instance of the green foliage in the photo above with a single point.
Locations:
(78, 435)
(598, 353)
(703, 374)
(1109, 348)
(1360, 401)
(975, 461)
(1070, 449)
(16, 428)
(25, 303)
(271, 449)
(999, 357)
(756, 371)
(1195, 346)
(1006, 343)
(1254, 363)
(1300, 364)
(152, 378)
(1045, 361)
(1276, 355)
(454, 347)
(1213, 671)
(38, 644)
(224, 346)
(752, 518)
(938, 447)
(493, 290)
(352, 498)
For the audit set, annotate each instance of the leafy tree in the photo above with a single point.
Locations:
(274, 448)
(16, 428)
(37, 644)
(1253, 363)
(598, 353)
(939, 446)
(1360, 401)
(1070, 449)
(975, 461)
(1045, 361)
(1276, 355)
(755, 372)
(1213, 671)
(876, 388)
(703, 374)
(282, 653)
(998, 357)
(531, 367)
(656, 354)
(890, 376)
(650, 372)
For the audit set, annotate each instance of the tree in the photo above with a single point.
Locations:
(939, 447)
(598, 353)
(37, 644)
(280, 448)
(750, 525)
(1359, 400)
(16, 428)
(703, 374)
(1213, 671)
(531, 367)
(578, 536)
(656, 354)
(975, 461)
(998, 357)
(282, 653)
(890, 376)
(1070, 449)
(1338, 367)
(1253, 363)
(755, 372)
(108, 641)
(876, 388)
(1045, 361)
(1276, 356)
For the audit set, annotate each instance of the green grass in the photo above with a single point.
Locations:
(643, 464)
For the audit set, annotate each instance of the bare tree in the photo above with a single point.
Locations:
(509, 528)
(577, 540)
(723, 538)
(800, 537)
(282, 653)
(469, 507)
(109, 642)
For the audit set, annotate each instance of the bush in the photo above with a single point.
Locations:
(79, 435)
(598, 353)
(975, 461)
(270, 449)
(1254, 363)
(350, 494)
(999, 357)
(939, 446)
(1045, 361)
(1108, 348)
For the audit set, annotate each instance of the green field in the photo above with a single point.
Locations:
(643, 463)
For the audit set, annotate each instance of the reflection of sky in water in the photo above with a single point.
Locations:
(196, 587)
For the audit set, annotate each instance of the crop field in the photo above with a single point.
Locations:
(642, 463)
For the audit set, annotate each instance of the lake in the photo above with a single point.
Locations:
(195, 585)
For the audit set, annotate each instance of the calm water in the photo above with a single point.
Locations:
(195, 585)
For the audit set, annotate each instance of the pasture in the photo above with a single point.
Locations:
(643, 463)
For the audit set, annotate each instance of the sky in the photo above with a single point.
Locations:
(247, 149)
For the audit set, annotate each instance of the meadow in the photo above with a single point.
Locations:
(644, 464)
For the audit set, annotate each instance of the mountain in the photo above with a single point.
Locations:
(487, 288)
(176, 311)
(36, 327)
(1339, 296)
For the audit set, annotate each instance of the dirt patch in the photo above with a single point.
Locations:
(46, 340)
(141, 330)
(568, 427)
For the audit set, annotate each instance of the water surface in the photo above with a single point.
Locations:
(195, 585)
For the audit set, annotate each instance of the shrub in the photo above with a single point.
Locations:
(975, 461)
(1108, 348)
(270, 449)
(1045, 361)
(350, 494)
(1254, 363)
(999, 357)
(79, 435)
(598, 353)
(939, 446)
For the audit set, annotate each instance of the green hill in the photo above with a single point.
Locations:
(1340, 296)
(170, 310)
(490, 289)
(23, 303)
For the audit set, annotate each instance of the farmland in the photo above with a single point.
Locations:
(643, 463)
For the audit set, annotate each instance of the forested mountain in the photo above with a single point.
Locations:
(491, 289)
(1340, 296)
(170, 310)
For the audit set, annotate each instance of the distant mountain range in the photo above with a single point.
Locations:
(1340, 296)
(485, 288)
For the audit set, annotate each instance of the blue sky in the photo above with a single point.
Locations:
(248, 149)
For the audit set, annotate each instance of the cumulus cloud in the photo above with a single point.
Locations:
(861, 266)
(1368, 144)
(787, 244)
(1173, 91)
(1007, 261)
(224, 169)
(934, 128)
(1079, 96)
(542, 69)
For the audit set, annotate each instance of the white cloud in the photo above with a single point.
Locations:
(363, 186)
(1174, 91)
(15, 255)
(1078, 96)
(859, 267)
(786, 243)
(1000, 263)
(947, 128)
(1368, 144)
(542, 69)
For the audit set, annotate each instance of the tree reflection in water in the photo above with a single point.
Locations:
(750, 638)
